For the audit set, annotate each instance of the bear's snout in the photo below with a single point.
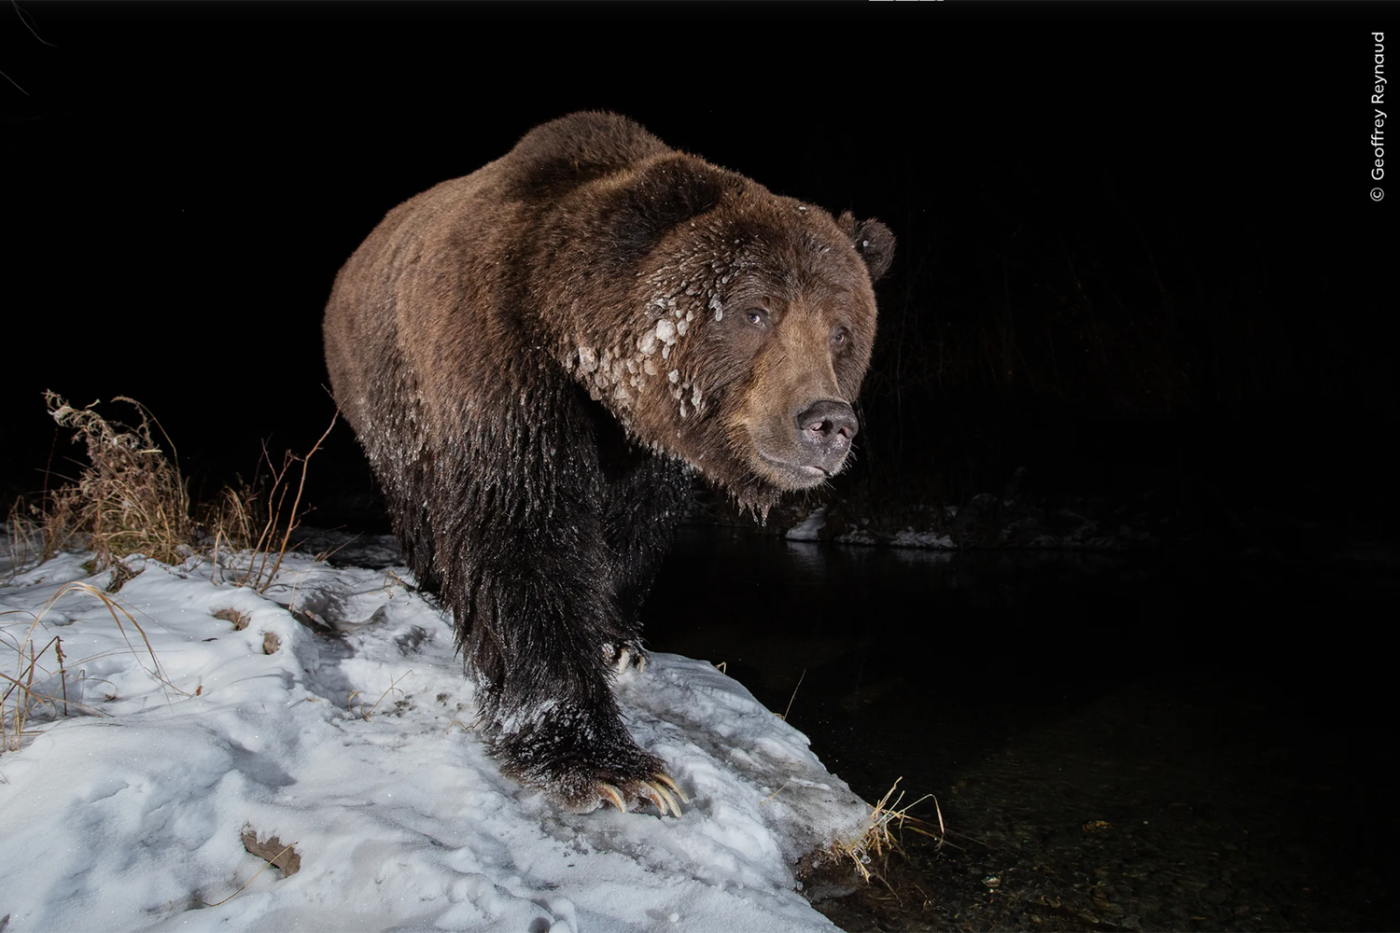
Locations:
(825, 429)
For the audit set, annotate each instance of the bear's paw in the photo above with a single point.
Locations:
(583, 758)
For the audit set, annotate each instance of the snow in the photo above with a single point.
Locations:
(356, 746)
(809, 529)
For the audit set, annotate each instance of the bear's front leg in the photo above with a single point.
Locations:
(531, 577)
(548, 714)
(548, 711)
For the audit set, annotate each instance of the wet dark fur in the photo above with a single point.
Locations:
(535, 500)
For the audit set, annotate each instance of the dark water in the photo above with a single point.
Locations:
(1115, 742)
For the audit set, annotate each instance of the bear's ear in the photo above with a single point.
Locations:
(872, 239)
(667, 192)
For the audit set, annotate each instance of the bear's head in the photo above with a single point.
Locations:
(746, 329)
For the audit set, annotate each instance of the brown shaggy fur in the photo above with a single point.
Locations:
(538, 355)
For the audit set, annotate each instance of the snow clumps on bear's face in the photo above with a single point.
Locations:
(620, 375)
(749, 348)
(726, 326)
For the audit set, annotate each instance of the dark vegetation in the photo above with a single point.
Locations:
(1126, 351)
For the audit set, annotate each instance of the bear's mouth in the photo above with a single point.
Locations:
(792, 475)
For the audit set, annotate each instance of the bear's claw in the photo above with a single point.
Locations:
(612, 795)
(659, 796)
(624, 656)
(661, 790)
(625, 659)
(675, 788)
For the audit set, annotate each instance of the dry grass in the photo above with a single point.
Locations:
(130, 498)
(43, 676)
(26, 539)
(365, 714)
(278, 517)
(888, 823)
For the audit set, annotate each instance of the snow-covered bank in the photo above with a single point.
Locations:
(128, 813)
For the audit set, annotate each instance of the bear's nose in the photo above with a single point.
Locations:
(827, 424)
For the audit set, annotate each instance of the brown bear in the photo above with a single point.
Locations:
(537, 358)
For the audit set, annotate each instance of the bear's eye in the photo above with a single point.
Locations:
(758, 317)
(840, 338)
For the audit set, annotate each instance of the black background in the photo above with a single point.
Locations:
(182, 182)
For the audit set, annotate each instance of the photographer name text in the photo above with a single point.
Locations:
(1377, 102)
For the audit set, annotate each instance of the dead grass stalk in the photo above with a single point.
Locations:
(884, 836)
(263, 568)
(38, 683)
(129, 499)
